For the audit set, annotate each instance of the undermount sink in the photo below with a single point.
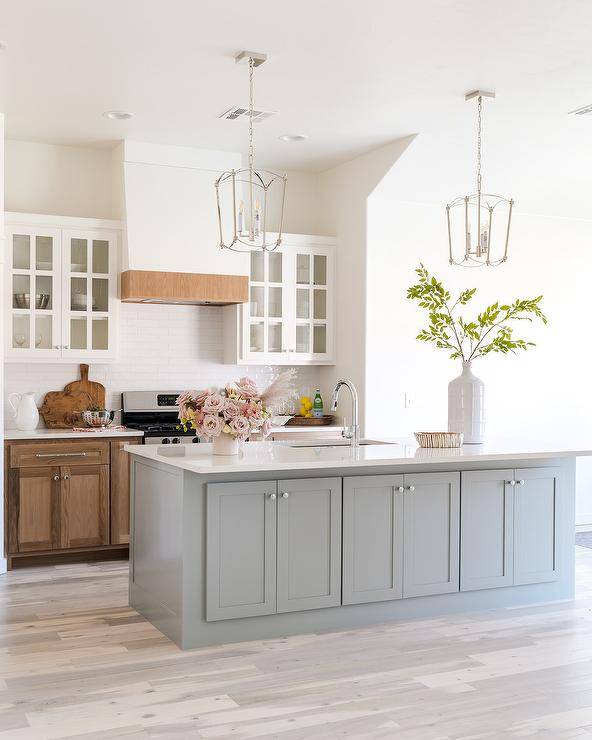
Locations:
(341, 443)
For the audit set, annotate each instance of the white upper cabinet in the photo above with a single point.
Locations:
(290, 317)
(61, 288)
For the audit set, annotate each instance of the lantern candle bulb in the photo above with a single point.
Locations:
(241, 217)
(257, 217)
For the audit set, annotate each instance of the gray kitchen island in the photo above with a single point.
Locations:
(289, 538)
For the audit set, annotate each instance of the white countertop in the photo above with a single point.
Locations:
(276, 456)
(44, 434)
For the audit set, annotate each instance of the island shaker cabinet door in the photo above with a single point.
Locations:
(431, 534)
(241, 550)
(536, 510)
(486, 529)
(372, 538)
(309, 544)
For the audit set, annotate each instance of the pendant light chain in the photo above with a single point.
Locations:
(251, 106)
(479, 112)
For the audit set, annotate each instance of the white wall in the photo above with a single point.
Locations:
(539, 395)
(63, 180)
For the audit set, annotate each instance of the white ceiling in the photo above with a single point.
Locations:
(350, 75)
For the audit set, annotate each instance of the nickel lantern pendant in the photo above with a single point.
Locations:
(479, 224)
(244, 196)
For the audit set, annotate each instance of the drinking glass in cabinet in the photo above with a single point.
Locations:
(43, 331)
(319, 339)
(78, 255)
(100, 294)
(257, 301)
(275, 267)
(78, 294)
(320, 303)
(303, 269)
(303, 338)
(44, 253)
(274, 338)
(302, 303)
(21, 291)
(20, 331)
(256, 336)
(275, 302)
(257, 268)
(43, 292)
(100, 333)
(78, 333)
(320, 269)
(100, 256)
(21, 252)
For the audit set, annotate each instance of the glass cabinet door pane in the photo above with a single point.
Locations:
(302, 303)
(100, 333)
(274, 338)
(320, 304)
(78, 333)
(78, 255)
(275, 267)
(303, 269)
(43, 253)
(302, 338)
(78, 294)
(100, 294)
(43, 292)
(257, 270)
(43, 331)
(100, 256)
(319, 341)
(21, 252)
(21, 291)
(257, 301)
(320, 269)
(256, 336)
(274, 305)
(20, 331)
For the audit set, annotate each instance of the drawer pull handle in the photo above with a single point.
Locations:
(61, 454)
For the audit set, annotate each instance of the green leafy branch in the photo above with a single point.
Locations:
(469, 339)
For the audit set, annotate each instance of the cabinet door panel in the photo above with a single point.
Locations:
(487, 521)
(535, 525)
(120, 491)
(372, 538)
(84, 506)
(432, 525)
(309, 544)
(241, 550)
(33, 508)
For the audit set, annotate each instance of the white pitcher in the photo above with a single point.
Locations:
(25, 411)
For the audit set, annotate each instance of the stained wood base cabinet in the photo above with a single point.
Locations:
(61, 496)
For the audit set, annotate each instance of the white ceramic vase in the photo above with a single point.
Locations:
(225, 444)
(466, 406)
(24, 410)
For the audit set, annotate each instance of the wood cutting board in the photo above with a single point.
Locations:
(95, 390)
(63, 409)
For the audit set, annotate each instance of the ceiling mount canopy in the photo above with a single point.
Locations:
(244, 196)
(472, 239)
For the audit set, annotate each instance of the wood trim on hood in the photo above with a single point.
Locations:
(151, 286)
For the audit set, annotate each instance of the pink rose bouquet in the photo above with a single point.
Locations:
(239, 409)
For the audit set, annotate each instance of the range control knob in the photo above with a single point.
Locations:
(195, 440)
(176, 440)
(166, 441)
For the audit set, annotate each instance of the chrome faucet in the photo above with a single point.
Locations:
(352, 432)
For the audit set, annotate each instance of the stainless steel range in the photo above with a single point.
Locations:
(155, 414)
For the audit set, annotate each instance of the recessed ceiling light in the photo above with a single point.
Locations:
(118, 115)
(2, 46)
(292, 137)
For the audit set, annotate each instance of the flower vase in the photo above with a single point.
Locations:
(466, 406)
(225, 444)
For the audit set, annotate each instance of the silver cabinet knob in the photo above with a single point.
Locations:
(66, 477)
(400, 489)
(522, 481)
(272, 496)
(285, 494)
(56, 477)
(512, 482)
(411, 488)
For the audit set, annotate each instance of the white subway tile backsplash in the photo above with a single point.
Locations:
(169, 347)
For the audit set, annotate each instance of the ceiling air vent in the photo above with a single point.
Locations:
(242, 111)
(585, 111)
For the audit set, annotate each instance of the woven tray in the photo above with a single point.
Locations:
(439, 439)
(303, 421)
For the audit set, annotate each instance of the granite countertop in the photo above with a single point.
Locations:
(272, 456)
(48, 434)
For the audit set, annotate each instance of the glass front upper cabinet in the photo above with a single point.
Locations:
(267, 303)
